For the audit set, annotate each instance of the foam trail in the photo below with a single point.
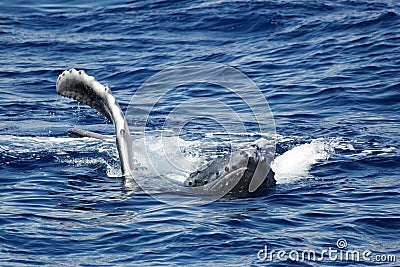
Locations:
(295, 163)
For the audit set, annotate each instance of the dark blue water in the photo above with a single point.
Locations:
(330, 72)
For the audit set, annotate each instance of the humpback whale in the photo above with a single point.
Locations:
(240, 173)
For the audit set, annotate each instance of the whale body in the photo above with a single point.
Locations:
(239, 173)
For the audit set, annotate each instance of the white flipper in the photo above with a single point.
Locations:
(85, 89)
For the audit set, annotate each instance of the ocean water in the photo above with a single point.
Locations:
(330, 71)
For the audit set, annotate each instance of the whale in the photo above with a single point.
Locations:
(239, 173)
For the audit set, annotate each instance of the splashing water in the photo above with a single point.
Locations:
(163, 155)
(295, 163)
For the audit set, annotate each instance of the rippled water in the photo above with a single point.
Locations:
(329, 71)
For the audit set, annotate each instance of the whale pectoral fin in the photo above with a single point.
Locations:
(85, 89)
(84, 133)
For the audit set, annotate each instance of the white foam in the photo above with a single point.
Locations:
(295, 163)
(174, 158)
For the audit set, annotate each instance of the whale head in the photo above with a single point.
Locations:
(239, 173)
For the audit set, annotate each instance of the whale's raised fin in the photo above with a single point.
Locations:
(85, 89)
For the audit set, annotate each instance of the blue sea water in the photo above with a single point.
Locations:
(330, 71)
